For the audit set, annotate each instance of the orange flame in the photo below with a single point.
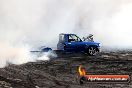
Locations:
(81, 71)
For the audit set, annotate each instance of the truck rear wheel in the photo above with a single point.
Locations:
(92, 51)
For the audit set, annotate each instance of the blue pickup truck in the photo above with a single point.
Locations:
(72, 43)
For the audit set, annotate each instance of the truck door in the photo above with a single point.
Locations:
(74, 43)
(70, 45)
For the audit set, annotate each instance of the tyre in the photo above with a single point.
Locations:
(92, 50)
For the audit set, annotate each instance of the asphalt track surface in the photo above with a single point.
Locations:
(61, 72)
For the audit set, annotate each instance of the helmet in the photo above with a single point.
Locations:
(90, 35)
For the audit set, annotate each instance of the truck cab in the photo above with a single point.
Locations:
(72, 43)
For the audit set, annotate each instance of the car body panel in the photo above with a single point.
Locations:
(75, 46)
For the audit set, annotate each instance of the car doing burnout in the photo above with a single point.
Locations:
(72, 43)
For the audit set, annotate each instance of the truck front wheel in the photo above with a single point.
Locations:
(92, 51)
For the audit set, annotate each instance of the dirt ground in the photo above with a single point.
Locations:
(61, 72)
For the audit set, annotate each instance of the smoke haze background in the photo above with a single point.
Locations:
(25, 24)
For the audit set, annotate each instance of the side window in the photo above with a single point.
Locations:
(73, 38)
(70, 37)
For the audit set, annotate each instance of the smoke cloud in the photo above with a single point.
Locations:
(25, 24)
